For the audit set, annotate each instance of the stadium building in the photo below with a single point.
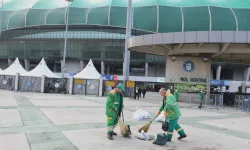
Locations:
(173, 40)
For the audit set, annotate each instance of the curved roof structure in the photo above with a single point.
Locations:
(148, 15)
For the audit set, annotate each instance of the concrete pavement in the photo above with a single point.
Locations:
(35, 121)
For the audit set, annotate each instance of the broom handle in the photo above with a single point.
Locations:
(122, 116)
(154, 118)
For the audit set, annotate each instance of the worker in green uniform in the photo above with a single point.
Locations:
(176, 94)
(114, 106)
(202, 95)
(172, 112)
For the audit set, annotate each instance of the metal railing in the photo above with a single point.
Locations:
(215, 101)
(242, 102)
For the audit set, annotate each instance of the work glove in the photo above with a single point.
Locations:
(159, 112)
(165, 114)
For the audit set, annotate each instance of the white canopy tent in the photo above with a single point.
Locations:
(89, 72)
(15, 68)
(40, 70)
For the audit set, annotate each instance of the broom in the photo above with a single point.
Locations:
(125, 131)
(147, 126)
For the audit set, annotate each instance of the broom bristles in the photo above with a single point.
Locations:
(145, 127)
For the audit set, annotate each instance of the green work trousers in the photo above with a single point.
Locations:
(111, 123)
(173, 125)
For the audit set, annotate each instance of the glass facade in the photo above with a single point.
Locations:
(97, 43)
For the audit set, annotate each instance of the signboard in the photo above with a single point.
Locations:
(189, 87)
(110, 88)
(220, 82)
(110, 83)
(79, 86)
(79, 81)
(72, 74)
(29, 83)
(161, 80)
(110, 77)
(130, 83)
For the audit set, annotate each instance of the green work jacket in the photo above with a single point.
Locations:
(171, 107)
(114, 100)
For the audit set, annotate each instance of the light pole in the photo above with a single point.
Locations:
(1, 19)
(126, 63)
(65, 39)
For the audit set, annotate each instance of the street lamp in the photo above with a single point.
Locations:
(126, 63)
(1, 18)
(65, 39)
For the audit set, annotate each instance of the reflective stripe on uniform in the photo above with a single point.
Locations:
(179, 129)
(169, 132)
(109, 118)
(171, 111)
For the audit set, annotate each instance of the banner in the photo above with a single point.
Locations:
(189, 87)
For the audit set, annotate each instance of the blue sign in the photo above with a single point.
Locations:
(216, 82)
(220, 82)
(130, 90)
(188, 66)
(29, 83)
(79, 86)
(108, 77)
(71, 74)
(110, 88)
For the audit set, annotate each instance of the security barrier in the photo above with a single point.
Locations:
(194, 100)
(215, 101)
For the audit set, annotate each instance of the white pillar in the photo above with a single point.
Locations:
(42, 84)
(61, 65)
(27, 64)
(71, 79)
(102, 67)
(218, 72)
(10, 61)
(246, 74)
(82, 65)
(100, 87)
(16, 81)
(146, 69)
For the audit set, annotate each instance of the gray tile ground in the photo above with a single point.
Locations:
(36, 121)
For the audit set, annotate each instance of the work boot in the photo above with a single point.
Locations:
(182, 137)
(113, 133)
(110, 137)
(169, 140)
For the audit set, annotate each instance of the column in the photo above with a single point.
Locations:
(27, 64)
(10, 61)
(146, 69)
(246, 74)
(102, 67)
(82, 65)
(62, 66)
(218, 72)
(212, 74)
(108, 68)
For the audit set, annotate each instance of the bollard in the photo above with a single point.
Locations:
(17, 81)
(71, 85)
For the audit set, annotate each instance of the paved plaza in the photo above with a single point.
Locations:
(35, 121)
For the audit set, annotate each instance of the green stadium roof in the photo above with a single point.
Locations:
(148, 15)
